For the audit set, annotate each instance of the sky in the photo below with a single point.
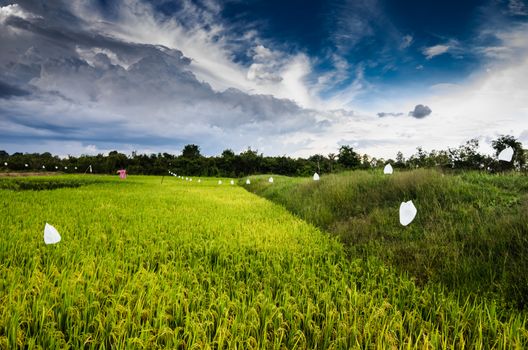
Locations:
(288, 77)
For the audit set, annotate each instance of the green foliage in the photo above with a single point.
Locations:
(466, 157)
(250, 162)
(191, 152)
(116, 160)
(181, 265)
(519, 157)
(348, 158)
(470, 233)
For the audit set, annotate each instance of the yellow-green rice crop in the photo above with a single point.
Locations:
(197, 265)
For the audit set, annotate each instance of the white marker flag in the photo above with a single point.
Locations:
(407, 213)
(270, 180)
(388, 169)
(248, 182)
(506, 154)
(316, 177)
(51, 235)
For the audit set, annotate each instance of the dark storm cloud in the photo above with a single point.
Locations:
(75, 84)
(7, 90)
(87, 131)
(65, 41)
(420, 111)
(101, 139)
(42, 125)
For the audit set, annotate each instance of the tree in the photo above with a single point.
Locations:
(348, 158)
(466, 156)
(227, 163)
(400, 160)
(440, 158)
(191, 152)
(251, 161)
(365, 162)
(319, 161)
(114, 161)
(518, 159)
(332, 159)
(227, 153)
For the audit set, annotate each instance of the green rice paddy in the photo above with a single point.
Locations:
(187, 265)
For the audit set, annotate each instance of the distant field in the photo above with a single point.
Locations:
(470, 233)
(26, 174)
(144, 264)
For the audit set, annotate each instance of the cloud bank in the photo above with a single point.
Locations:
(91, 87)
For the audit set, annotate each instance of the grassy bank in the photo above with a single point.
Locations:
(470, 233)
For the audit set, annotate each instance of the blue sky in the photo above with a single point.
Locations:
(386, 39)
(284, 77)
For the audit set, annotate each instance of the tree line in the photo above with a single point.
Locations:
(192, 163)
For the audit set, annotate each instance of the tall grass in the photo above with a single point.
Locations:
(470, 233)
(145, 265)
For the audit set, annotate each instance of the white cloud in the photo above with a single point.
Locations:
(511, 44)
(210, 48)
(514, 39)
(435, 50)
(517, 8)
(452, 47)
(265, 65)
(406, 41)
(497, 52)
(346, 97)
(14, 10)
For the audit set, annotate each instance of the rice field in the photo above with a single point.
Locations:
(185, 265)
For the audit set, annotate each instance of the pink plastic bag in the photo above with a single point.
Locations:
(122, 174)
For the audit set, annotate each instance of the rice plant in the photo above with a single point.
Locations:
(144, 264)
